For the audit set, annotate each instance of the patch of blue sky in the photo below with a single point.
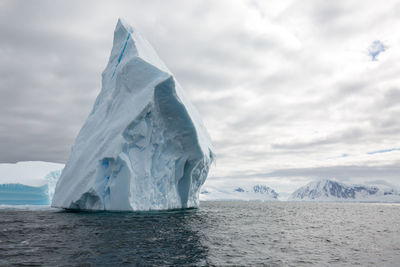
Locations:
(383, 151)
(375, 49)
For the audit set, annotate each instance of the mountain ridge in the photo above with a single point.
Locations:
(256, 192)
(332, 190)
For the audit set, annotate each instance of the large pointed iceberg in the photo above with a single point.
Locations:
(143, 146)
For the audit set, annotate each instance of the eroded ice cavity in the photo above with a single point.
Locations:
(143, 146)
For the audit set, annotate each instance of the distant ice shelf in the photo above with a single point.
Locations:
(18, 194)
(28, 183)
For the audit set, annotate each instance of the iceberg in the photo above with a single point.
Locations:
(19, 194)
(52, 179)
(30, 173)
(143, 146)
(26, 183)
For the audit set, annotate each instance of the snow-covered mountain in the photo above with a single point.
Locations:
(248, 193)
(330, 190)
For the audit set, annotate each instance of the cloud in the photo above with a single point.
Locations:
(281, 85)
(347, 136)
(341, 172)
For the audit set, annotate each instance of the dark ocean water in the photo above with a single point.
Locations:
(216, 234)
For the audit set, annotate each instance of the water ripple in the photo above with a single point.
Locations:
(219, 234)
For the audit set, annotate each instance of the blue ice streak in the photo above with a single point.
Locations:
(122, 53)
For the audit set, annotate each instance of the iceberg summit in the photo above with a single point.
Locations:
(143, 146)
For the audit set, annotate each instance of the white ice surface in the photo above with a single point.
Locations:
(30, 173)
(143, 146)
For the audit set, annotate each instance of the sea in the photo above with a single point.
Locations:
(215, 234)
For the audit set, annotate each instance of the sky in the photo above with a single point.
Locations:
(290, 91)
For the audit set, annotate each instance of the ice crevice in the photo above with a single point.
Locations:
(122, 53)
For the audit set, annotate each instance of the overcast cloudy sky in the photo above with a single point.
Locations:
(290, 91)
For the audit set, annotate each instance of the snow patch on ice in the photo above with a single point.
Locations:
(30, 173)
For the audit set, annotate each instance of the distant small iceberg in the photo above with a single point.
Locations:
(19, 194)
(28, 183)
